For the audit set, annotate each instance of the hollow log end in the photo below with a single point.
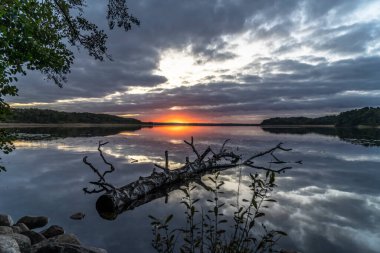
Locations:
(106, 207)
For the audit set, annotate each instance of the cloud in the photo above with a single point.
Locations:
(226, 60)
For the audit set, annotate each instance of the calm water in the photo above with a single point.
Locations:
(330, 203)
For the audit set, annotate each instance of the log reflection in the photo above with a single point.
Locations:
(116, 200)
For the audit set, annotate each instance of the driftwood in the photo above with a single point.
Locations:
(159, 184)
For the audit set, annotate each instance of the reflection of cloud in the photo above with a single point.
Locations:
(30, 144)
(361, 158)
(152, 160)
(328, 204)
(339, 215)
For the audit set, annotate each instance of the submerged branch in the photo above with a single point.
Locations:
(159, 184)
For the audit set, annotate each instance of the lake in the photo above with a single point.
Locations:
(329, 203)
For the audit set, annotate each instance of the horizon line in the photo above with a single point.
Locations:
(201, 123)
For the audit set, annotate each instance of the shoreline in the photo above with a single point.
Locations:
(150, 125)
(317, 126)
(64, 125)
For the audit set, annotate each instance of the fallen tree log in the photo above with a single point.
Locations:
(159, 184)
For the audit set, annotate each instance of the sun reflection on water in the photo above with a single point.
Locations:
(183, 131)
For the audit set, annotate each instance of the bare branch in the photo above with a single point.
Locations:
(224, 144)
(205, 153)
(167, 159)
(101, 178)
(160, 184)
(166, 170)
(86, 190)
(278, 146)
(268, 169)
(112, 168)
(191, 144)
(101, 183)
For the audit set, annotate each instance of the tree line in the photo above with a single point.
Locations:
(367, 116)
(43, 116)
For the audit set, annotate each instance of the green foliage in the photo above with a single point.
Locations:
(54, 117)
(367, 116)
(6, 145)
(36, 35)
(212, 230)
(327, 120)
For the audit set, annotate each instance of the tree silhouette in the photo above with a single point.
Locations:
(37, 35)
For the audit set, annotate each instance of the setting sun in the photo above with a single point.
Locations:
(178, 118)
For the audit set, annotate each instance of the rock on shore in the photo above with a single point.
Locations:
(20, 238)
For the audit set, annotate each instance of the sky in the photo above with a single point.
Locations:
(224, 61)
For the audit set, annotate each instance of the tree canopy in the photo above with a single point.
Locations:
(38, 35)
(33, 115)
(367, 116)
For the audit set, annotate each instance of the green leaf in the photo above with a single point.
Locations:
(254, 203)
(272, 178)
(169, 218)
(281, 233)
(251, 224)
(259, 215)
(152, 217)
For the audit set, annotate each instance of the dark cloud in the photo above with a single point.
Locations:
(314, 10)
(316, 55)
(347, 39)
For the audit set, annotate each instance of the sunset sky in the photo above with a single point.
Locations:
(224, 61)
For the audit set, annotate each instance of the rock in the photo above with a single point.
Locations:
(5, 220)
(16, 229)
(52, 231)
(8, 245)
(34, 236)
(22, 227)
(23, 242)
(65, 238)
(96, 250)
(6, 230)
(33, 222)
(77, 216)
(47, 247)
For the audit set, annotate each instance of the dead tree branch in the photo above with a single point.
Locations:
(160, 184)
(101, 185)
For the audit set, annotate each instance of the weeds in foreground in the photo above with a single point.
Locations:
(210, 230)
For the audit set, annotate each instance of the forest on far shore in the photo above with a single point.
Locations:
(367, 116)
(43, 116)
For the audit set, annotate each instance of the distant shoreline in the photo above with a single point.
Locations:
(290, 126)
(76, 125)
(149, 124)
(154, 124)
(143, 124)
(316, 126)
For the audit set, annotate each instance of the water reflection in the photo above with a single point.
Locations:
(363, 136)
(329, 204)
(38, 133)
(118, 199)
(212, 227)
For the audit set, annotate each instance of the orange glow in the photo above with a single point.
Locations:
(126, 133)
(178, 118)
(176, 131)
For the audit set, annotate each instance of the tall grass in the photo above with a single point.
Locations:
(209, 230)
